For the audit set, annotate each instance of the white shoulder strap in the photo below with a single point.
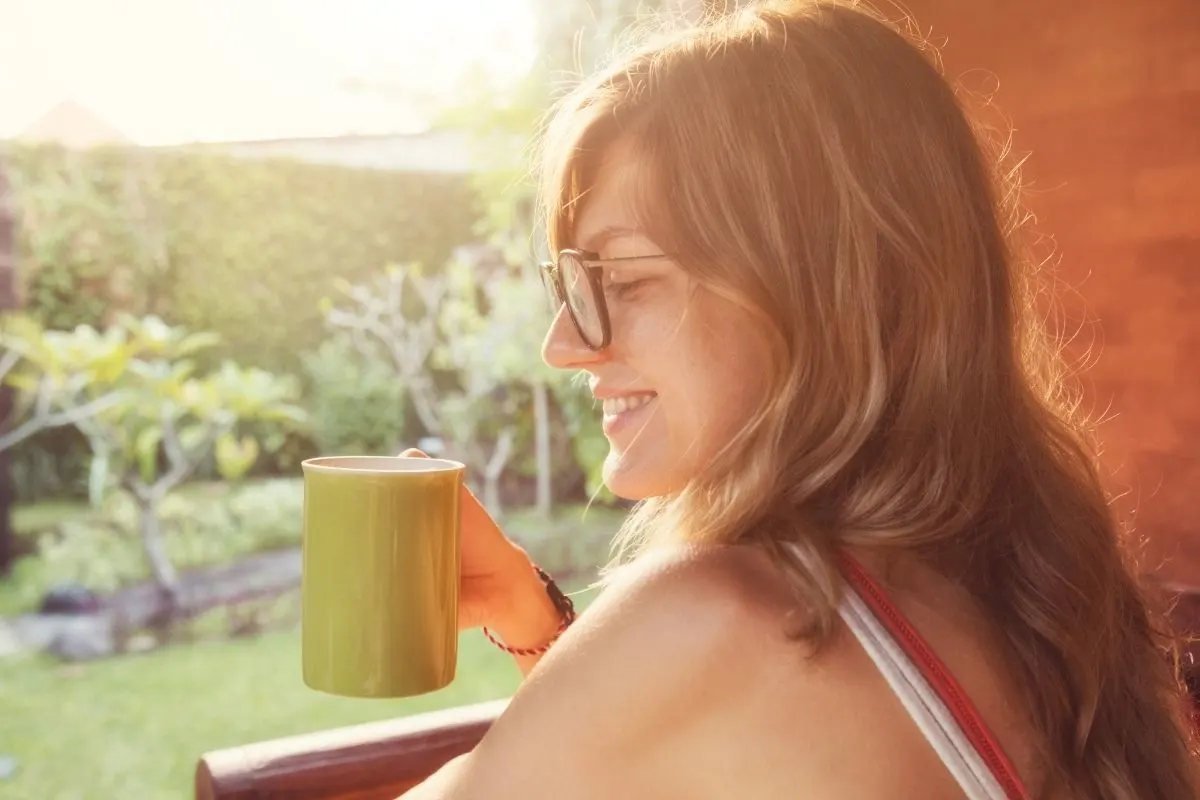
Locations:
(922, 702)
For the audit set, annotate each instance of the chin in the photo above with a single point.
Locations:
(634, 478)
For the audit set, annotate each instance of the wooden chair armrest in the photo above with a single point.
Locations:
(360, 762)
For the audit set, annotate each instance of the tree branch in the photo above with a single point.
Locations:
(501, 453)
(170, 438)
(410, 343)
(182, 463)
(131, 483)
(72, 416)
(43, 417)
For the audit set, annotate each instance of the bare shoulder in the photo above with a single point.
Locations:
(710, 599)
(671, 630)
(682, 674)
(645, 666)
(754, 712)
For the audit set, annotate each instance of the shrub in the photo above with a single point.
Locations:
(355, 401)
(205, 524)
(243, 248)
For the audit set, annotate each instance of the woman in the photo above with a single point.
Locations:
(872, 557)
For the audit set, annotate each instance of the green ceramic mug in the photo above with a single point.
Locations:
(379, 587)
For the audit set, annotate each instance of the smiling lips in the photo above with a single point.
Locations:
(619, 405)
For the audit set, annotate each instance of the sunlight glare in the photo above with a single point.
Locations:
(167, 71)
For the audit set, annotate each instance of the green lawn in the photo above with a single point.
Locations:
(133, 727)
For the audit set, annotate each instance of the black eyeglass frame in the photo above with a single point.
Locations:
(593, 267)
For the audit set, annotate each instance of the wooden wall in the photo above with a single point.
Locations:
(1105, 94)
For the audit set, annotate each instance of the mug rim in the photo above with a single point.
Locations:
(378, 465)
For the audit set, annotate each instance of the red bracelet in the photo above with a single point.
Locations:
(527, 651)
(566, 612)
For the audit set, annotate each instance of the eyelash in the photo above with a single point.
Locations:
(623, 289)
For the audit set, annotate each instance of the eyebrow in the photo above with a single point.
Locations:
(596, 241)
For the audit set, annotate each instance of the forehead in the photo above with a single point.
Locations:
(608, 207)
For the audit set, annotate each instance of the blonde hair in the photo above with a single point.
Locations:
(810, 160)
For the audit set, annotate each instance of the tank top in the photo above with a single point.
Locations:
(933, 698)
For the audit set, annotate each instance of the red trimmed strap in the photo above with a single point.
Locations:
(939, 677)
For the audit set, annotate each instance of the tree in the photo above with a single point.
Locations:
(462, 322)
(398, 310)
(56, 373)
(48, 381)
(492, 326)
(163, 412)
(8, 300)
(94, 230)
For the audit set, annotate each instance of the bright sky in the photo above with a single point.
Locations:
(165, 71)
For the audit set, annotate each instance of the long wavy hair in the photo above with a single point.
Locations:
(810, 161)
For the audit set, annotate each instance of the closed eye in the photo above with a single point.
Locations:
(623, 289)
(593, 259)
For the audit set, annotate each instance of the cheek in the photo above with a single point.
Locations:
(733, 390)
(652, 338)
(718, 382)
(732, 359)
(704, 359)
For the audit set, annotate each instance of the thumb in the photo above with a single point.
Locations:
(413, 452)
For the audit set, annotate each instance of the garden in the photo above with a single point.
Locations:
(192, 326)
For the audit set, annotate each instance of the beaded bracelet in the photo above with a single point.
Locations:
(566, 613)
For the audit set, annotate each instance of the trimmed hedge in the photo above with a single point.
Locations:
(244, 248)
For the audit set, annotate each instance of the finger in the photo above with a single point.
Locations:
(413, 452)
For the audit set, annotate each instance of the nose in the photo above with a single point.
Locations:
(564, 348)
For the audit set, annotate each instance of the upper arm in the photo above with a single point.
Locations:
(597, 716)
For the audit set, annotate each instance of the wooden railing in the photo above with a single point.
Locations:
(376, 761)
(381, 760)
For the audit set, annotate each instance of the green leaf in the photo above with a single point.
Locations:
(109, 368)
(146, 452)
(196, 342)
(235, 457)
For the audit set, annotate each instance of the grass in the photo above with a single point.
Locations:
(36, 517)
(135, 726)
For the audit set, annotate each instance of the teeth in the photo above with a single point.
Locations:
(616, 405)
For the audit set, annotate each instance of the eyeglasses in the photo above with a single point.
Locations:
(576, 280)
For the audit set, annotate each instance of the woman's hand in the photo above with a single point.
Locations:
(498, 588)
